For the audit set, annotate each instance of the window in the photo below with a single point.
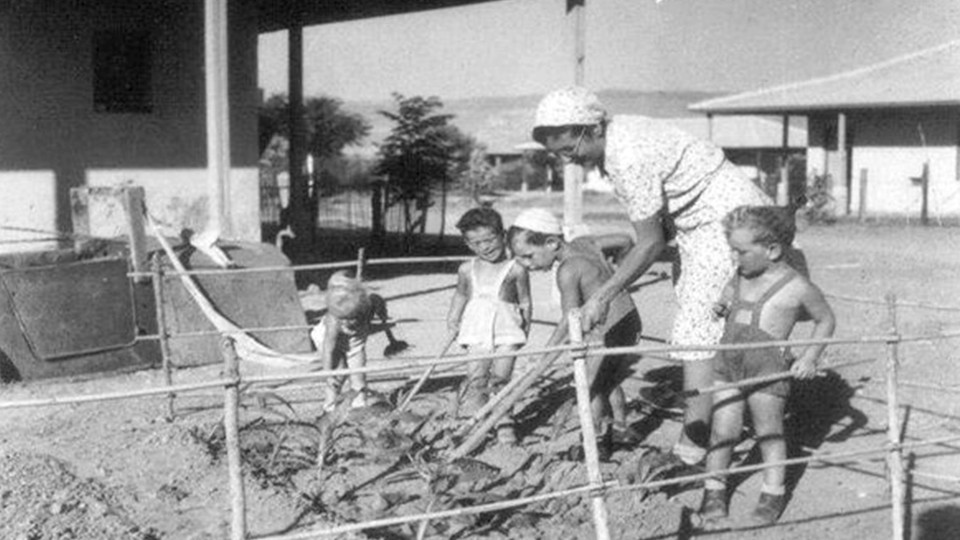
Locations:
(121, 72)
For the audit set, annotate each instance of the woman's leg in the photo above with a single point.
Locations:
(705, 267)
(696, 419)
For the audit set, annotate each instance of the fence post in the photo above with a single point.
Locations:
(587, 429)
(162, 332)
(131, 197)
(895, 458)
(360, 260)
(231, 406)
(862, 206)
(925, 195)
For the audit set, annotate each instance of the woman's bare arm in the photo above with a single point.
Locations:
(639, 258)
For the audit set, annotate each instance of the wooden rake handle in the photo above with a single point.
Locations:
(426, 374)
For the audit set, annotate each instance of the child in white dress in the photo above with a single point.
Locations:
(490, 310)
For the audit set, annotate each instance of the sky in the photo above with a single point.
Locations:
(524, 47)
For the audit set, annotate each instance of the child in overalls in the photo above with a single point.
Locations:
(761, 303)
(490, 310)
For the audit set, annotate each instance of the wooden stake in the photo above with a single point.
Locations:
(895, 458)
(587, 429)
(360, 260)
(231, 425)
(131, 197)
(162, 331)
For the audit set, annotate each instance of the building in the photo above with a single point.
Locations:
(887, 135)
(159, 93)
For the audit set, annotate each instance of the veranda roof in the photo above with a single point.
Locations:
(926, 78)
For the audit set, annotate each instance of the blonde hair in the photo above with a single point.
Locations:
(770, 224)
(346, 296)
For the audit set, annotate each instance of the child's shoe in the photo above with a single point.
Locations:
(768, 509)
(359, 401)
(689, 454)
(623, 434)
(507, 433)
(714, 505)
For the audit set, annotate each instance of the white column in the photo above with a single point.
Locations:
(572, 173)
(218, 114)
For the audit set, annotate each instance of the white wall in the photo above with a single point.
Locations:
(892, 147)
(52, 139)
(890, 189)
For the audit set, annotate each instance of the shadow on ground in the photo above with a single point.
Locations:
(818, 411)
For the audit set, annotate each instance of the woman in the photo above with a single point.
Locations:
(671, 184)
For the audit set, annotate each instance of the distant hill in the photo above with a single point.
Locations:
(502, 123)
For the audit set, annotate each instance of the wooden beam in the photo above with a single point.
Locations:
(299, 214)
(573, 174)
(783, 186)
(216, 63)
(842, 187)
(273, 15)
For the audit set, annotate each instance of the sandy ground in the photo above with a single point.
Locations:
(120, 470)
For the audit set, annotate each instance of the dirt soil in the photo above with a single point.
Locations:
(121, 469)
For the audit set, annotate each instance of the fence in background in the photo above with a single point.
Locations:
(595, 487)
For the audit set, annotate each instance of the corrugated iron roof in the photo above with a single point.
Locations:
(930, 77)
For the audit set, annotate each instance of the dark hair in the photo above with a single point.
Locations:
(534, 238)
(483, 216)
(541, 133)
(770, 224)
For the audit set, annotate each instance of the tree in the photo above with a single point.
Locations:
(420, 152)
(328, 128)
(479, 176)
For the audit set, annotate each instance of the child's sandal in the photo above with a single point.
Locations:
(368, 398)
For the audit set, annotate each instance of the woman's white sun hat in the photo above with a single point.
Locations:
(572, 105)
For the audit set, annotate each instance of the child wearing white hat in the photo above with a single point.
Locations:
(538, 243)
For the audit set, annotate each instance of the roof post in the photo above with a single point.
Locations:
(217, 114)
(573, 173)
(783, 186)
(842, 186)
(300, 214)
